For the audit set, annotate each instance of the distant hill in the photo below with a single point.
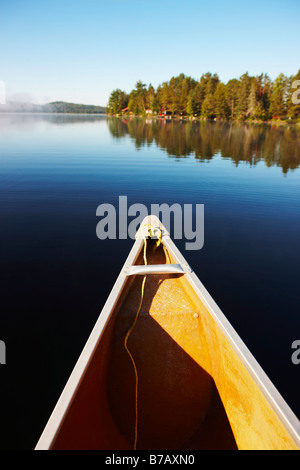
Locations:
(54, 107)
(63, 107)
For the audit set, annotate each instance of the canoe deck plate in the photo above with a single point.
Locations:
(156, 269)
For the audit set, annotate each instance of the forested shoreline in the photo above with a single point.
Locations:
(247, 98)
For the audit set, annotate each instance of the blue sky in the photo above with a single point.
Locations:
(80, 51)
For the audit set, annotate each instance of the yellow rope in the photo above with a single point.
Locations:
(129, 353)
(152, 233)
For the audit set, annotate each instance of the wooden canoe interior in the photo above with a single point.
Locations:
(193, 390)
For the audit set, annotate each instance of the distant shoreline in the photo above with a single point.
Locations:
(185, 119)
(55, 107)
(44, 113)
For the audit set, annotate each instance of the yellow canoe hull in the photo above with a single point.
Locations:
(196, 385)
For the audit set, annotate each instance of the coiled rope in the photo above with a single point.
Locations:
(152, 233)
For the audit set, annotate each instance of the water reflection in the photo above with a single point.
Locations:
(240, 142)
(21, 120)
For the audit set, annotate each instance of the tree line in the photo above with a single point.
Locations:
(249, 97)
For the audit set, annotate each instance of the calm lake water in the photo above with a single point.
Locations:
(56, 274)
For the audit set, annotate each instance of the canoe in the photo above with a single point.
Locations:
(163, 369)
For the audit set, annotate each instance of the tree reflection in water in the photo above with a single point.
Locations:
(203, 140)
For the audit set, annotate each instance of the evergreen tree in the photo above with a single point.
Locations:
(209, 82)
(118, 100)
(150, 95)
(187, 85)
(243, 98)
(189, 106)
(253, 99)
(265, 97)
(279, 96)
(293, 101)
(137, 98)
(208, 106)
(155, 105)
(220, 102)
(164, 96)
(196, 98)
(232, 96)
